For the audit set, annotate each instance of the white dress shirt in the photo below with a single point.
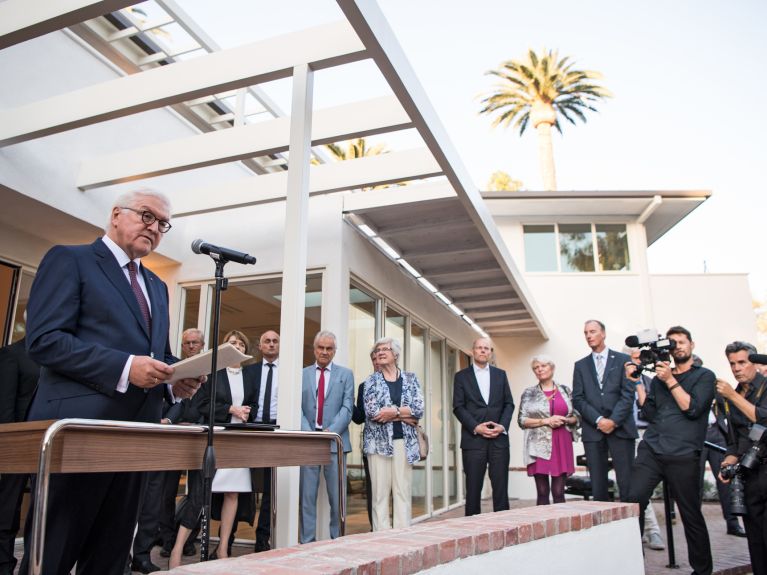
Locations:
(483, 380)
(262, 390)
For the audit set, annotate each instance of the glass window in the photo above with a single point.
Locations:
(612, 247)
(417, 364)
(576, 248)
(253, 307)
(394, 326)
(9, 275)
(437, 419)
(540, 248)
(362, 334)
(453, 429)
(19, 325)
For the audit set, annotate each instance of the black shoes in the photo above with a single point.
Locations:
(262, 545)
(188, 551)
(737, 531)
(144, 566)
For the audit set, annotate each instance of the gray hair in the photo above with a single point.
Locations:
(544, 359)
(328, 334)
(628, 350)
(194, 330)
(396, 348)
(129, 199)
(737, 346)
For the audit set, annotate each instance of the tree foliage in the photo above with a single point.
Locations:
(500, 181)
(542, 82)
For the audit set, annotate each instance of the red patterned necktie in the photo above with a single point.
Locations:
(142, 303)
(320, 396)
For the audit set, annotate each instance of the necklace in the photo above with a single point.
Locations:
(234, 370)
(546, 393)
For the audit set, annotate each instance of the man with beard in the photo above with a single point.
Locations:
(747, 405)
(676, 409)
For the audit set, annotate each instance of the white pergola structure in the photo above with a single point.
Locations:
(440, 233)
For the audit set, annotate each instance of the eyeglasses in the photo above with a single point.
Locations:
(193, 342)
(380, 349)
(149, 218)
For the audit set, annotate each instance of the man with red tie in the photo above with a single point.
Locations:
(327, 400)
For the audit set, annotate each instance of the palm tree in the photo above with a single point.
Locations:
(538, 90)
(358, 149)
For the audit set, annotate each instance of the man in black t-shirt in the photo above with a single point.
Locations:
(676, 409)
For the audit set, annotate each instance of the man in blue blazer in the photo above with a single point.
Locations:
(604, 397)
(483, 404)
(98, 327)
(327, 400)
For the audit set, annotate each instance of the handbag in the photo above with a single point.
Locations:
(423, 442)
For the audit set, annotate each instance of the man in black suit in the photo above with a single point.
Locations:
(98, 326)
(18, 379)
(483, 404)
(605, 399)
(267, 386)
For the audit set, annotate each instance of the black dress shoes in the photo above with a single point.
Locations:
(144, 566)
(262, 545)
(737, 531)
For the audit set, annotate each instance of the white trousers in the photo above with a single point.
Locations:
(391, 476)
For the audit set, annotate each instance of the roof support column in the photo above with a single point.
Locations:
(294, 295)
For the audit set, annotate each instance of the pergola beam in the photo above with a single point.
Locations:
(334, 124)
(324, 179)
(272, 59)
(22, 20)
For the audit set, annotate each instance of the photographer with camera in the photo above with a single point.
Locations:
(746, 409)
(676, 409)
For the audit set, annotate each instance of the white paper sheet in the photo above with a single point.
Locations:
(197, 365)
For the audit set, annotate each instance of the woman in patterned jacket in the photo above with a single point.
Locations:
(393, 405)
(551, 425)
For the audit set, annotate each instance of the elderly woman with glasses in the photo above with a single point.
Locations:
(393, 405)
(551, 424)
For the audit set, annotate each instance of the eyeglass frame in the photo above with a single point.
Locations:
(383, 349)
(149, 218)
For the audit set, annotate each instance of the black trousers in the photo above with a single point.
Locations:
(11, 495)
(475, 463)
(91, 517)
(622, 452)
(682, 474)
(149, 515)
(756, 519)
(264, 526)
(368, 489)
(714, 459)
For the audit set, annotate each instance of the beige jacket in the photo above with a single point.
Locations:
(534, 405)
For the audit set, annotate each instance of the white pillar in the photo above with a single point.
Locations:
(293, 296)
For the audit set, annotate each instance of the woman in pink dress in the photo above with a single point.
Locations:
(551, 425)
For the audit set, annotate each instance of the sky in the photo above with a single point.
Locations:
(687, 78)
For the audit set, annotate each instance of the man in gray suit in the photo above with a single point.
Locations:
(605, 399)
(327, 399)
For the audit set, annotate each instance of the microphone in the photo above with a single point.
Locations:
(759, 358)
(225, 254)
(632, 341)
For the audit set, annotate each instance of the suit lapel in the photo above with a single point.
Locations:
(475, 384)
(157, 303)
(115, 275)
(223, 388)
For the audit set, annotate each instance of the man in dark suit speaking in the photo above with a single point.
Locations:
(605, 399)
(98, 327)
(483, 404)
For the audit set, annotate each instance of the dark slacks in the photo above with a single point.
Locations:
(682, 474)
(264, 526)
(714, 459)
(149, 515)
(475, 463)
(368, 489)
(91, 518)
(755, 520)
(622, 452)
(11, 495)
(167, 523)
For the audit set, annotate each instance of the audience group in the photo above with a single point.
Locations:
(609, 405)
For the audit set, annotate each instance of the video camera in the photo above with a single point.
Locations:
(652, 349)
(749, 460)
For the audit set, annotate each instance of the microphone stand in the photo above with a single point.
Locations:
(209, 458)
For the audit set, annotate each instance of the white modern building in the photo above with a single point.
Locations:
(98, 98)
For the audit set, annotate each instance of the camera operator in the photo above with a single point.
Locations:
(747, 405)
(676, 409)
